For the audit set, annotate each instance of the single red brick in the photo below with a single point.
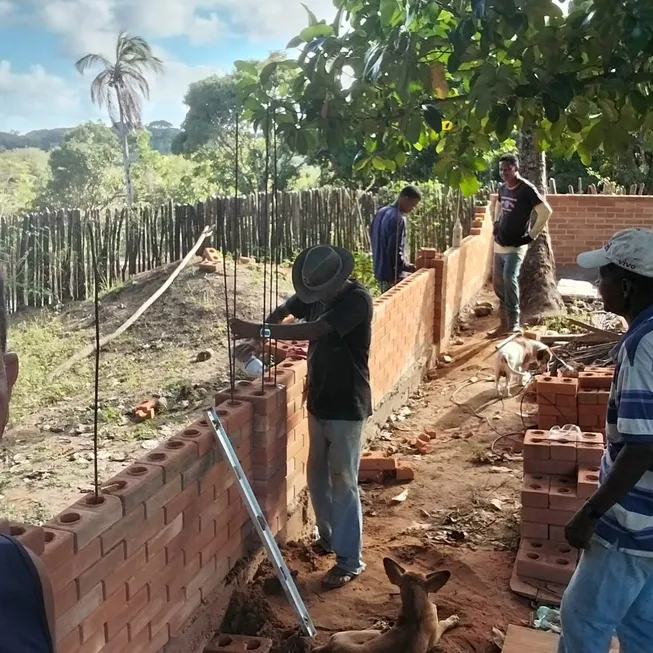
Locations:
(535, 490)
(536, 446)
(58, 548)
(597, 380)
(563, 449)
(372, 460)
(534, 531)
(561, 560)
(134, 485)
(557, 385)
(603, 397)
(546, 516)
(200, 433)
(588, 481)
(563, 494)
(370, 476)
(588, 397)
(590, 453)
(557, 534)
(174, 456)
(29, 536)
(232, 643)
(405, 473)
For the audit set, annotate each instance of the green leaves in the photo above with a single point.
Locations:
(246, 67)
(315, 31)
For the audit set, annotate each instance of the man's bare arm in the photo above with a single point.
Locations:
(631, 464)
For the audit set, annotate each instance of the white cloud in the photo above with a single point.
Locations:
(91, 25)
(38, 98)
(6, 8)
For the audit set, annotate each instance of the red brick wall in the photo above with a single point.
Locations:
(130, 573)
(582, 222)
(460, 274)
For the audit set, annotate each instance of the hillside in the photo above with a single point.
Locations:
(46, 457)
(163, 133)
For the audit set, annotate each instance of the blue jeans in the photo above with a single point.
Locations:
(505, 280)
(611, 592)
(333, 461)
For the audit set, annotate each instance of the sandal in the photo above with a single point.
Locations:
(337, 578)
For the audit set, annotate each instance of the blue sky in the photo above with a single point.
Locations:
(41, 39)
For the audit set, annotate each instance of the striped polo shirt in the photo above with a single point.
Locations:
(628, 525)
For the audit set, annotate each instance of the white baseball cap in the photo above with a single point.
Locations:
(630, 249)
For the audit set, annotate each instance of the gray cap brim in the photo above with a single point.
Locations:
(593, 260)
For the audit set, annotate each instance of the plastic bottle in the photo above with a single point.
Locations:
(457, 233)
(253, 367)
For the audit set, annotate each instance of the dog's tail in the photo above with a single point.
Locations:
(504, 359)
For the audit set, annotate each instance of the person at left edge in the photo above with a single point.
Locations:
(338, 325)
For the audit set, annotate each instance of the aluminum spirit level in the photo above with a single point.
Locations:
(261, 525)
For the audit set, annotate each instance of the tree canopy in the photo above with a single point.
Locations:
(408, 75)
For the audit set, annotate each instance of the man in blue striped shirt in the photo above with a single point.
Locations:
(612, 589)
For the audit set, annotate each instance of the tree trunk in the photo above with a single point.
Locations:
(539, 295)
(125, 155)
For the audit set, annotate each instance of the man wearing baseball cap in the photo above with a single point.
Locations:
(612, 589)
(338, 314)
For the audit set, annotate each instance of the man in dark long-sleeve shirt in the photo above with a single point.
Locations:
(388, 237)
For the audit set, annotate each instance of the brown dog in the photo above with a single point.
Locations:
(418, 628)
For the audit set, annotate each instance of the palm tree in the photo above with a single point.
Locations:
(121, 87)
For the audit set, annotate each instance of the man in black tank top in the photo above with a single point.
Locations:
(517, 200)
(26, 595)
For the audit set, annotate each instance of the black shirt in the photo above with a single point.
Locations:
(338, 369)
(517, 204)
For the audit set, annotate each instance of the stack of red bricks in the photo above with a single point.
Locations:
(561, 471)
(376, 467)
(582, 401)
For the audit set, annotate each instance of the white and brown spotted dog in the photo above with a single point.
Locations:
(515, 358)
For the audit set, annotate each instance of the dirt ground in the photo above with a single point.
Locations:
(461, 514)
(46, 457)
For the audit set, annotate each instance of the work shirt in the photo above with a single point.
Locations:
(23, 622)
(629, 524)
(338, 386)
(515, 207)
(388, 238)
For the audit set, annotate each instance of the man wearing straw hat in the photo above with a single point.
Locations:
(338, 324)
